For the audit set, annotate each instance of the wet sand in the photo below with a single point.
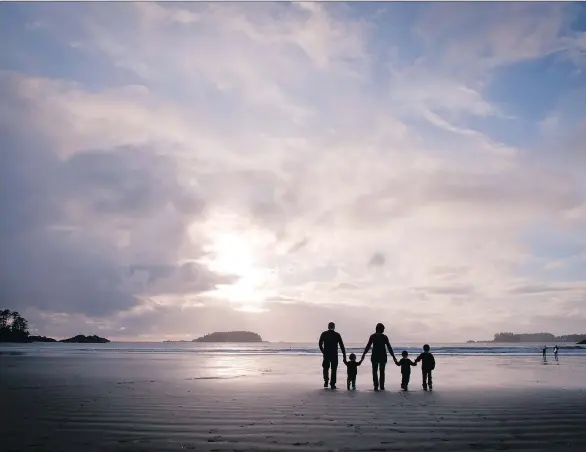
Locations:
(145, 404)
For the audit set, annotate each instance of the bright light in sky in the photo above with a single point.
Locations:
(232, 254)
(234, 250)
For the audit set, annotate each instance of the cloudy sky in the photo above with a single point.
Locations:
(169, 170)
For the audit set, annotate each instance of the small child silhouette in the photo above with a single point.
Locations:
(405, 364)
(427, 365)
(352, 367)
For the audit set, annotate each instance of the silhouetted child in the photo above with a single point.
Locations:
(427, 365)
(352, 367)
(405, 364)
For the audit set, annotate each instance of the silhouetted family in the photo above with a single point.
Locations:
(331, 339)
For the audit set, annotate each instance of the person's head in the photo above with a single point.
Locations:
(331, 326)
(352, 357)
(380, 328)
(405, 354)
(426, 348)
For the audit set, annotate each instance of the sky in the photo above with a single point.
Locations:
(173, 169)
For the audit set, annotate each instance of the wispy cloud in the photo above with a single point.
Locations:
(170, 169)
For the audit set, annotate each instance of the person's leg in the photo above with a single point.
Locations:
(429, 379)
(334, 364)
(407, 378)
(348, 382)
(326, 366)
(375, 374)
(424, 374)
(382, 375)
(354, 382)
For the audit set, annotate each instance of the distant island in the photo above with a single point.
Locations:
(41, 339)
(81, 339)
(230, 336)
(14, 328)
(582, 342)
(538, 337)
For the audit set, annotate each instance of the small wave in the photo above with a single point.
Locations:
(232, 377)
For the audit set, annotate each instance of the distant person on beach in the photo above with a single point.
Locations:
(544, 352)
(328, 344)
(405, 363)
(379, 343)
(555, 352)
(352, 368)
(427, 365)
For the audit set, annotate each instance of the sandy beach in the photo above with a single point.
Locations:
(146, 403)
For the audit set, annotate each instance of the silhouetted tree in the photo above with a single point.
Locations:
(13, 327)
(4, 317)
(19, 324)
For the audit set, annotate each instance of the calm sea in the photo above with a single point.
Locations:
(282, 349)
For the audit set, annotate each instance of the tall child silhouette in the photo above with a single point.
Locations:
(427, 365)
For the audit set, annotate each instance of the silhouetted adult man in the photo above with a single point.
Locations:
(328, 344)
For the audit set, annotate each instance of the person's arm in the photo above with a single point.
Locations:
(419, 358)
(412, 363)
(341, 342)
(396, 362)
(321, 343)
(388, 344)
(366, 348)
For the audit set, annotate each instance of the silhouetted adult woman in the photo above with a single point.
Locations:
(379, 342)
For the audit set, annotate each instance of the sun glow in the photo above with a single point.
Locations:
(235, 254)
(232, 255)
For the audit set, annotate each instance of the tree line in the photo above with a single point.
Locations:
(13, 327)
(538, 337)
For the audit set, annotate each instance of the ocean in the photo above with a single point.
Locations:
(462, 365)
(280, 348)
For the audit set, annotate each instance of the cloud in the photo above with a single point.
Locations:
(187, 163)
(78, 229)
(377, 260)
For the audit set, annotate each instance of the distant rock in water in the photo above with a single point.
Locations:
(582, 342)
(471, 342)
(41, 339)
(81, 339)
(230, 336)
